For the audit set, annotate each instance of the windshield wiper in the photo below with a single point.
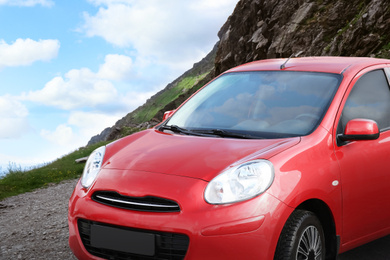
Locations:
(224, 133)
(206, 132)
(173, 128)
(179, 130)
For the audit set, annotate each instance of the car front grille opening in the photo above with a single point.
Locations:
(167, 246)
(148, 203)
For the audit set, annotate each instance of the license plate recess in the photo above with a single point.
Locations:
(123, 240)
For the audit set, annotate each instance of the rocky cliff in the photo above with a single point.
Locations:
(262, 29)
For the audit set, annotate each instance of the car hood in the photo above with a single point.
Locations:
(190, 156)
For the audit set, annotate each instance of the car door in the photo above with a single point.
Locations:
(365, 165)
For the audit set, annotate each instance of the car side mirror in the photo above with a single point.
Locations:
(168, 114)
(360, 129)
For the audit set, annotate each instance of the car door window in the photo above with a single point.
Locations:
(369, 99)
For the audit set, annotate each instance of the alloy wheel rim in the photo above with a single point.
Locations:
(310, 245)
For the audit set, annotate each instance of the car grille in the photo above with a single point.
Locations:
(149, 203)
(167, 246)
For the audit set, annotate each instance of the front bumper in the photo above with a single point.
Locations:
(244, 230)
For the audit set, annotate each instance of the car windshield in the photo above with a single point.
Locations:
(262, 104)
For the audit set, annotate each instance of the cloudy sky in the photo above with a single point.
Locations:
(69, 69)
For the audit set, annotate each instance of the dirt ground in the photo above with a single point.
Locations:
(34, 226)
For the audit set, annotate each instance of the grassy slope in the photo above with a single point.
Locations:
(65, 168)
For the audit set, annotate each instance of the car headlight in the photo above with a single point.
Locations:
(92, 167)
(240, 182)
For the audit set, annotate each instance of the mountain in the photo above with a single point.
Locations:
(259, 29)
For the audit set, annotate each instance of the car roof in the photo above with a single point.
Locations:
(316, 64)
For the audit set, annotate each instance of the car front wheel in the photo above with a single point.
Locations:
(302, 238)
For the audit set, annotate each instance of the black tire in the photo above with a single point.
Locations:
(302, 238)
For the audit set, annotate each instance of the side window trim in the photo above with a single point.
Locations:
(387, 72)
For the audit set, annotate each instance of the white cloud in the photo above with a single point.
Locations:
(63, 135)
(27, 3)
(91, 123)
(82, 88)
(116, 67)
(79, 88)
(26, 51)
(135, 99)
(92, 98)
(13, 118)
(213, 6)
(81, 126)
(177, 33)
(110, 2)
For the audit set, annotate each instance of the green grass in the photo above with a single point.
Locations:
(147, 113)
(18, 181)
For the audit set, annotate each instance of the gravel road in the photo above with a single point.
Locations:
(34, 225)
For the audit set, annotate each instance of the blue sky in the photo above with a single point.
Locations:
(69, 69)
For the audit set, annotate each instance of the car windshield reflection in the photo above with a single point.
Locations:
(262, 104)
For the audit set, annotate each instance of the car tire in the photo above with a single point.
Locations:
(302, 237)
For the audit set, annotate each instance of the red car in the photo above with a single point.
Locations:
(275, 159)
